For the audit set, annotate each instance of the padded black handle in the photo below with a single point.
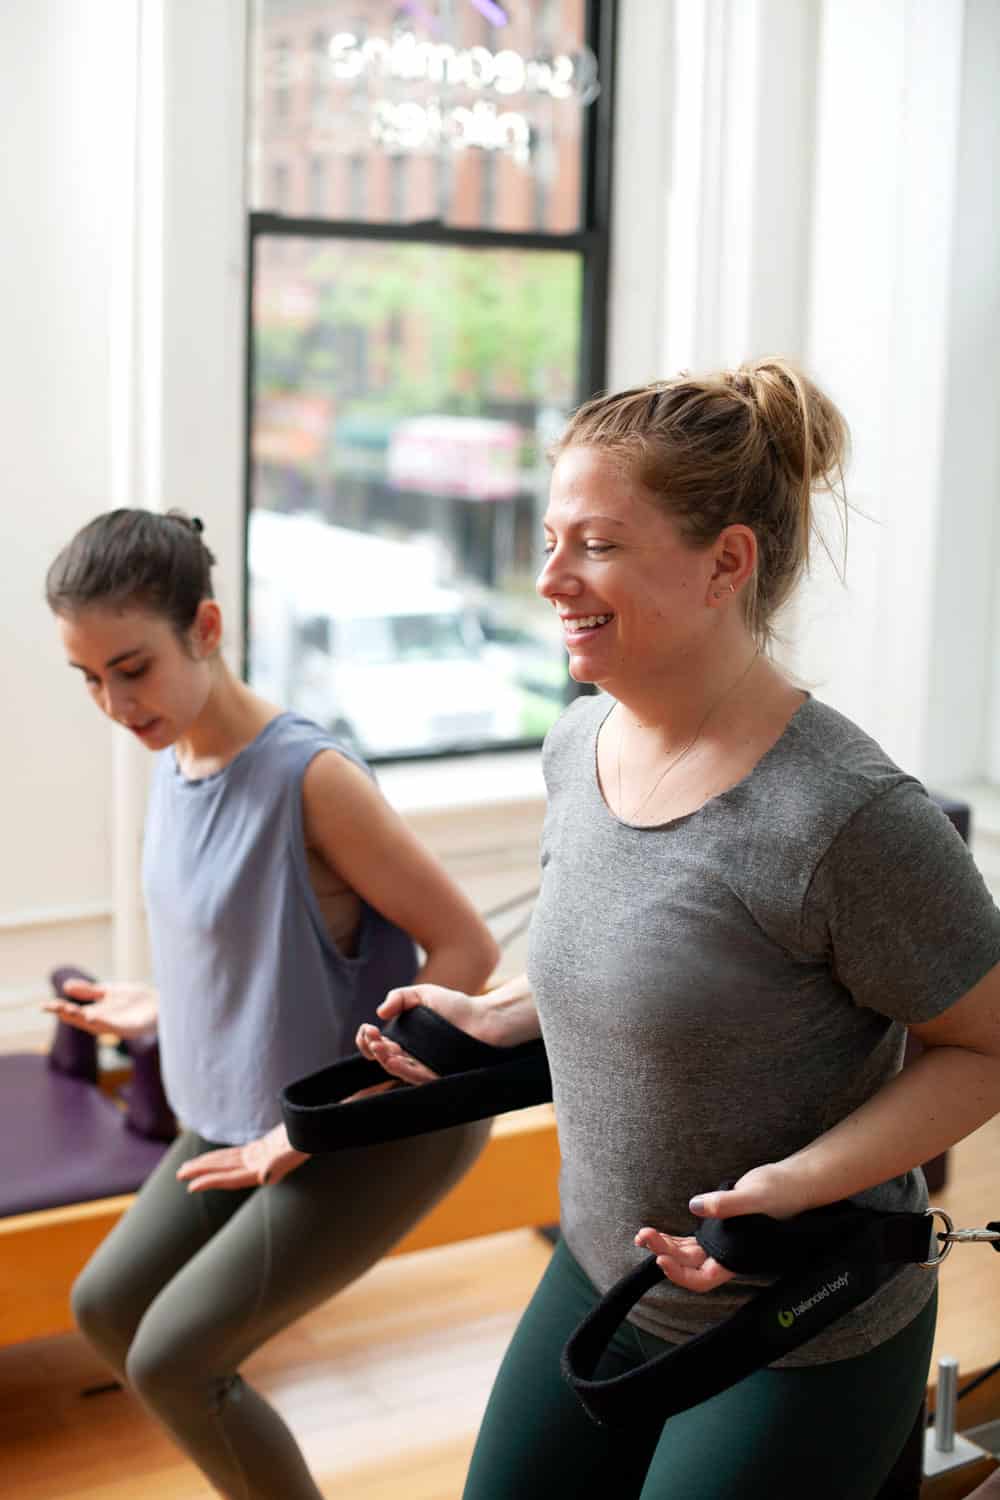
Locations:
(479, 1082)
(442, 1046)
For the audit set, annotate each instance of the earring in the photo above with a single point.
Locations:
(718, 593)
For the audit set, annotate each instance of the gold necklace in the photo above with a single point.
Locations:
(681, 754)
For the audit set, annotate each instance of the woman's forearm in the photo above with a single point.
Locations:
(938, 1099)
(465, 964)
(502, 1017)
(509, 1014)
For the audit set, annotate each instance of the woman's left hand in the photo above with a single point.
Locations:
(771, 1190)
(264, 1161)
(260, 1163)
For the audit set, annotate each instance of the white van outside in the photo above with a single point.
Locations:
(352, 631)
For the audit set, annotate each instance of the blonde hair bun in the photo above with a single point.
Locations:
(806, 428)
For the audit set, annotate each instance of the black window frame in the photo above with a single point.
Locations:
(591, 240)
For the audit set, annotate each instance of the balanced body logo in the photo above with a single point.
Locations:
(787, 1315)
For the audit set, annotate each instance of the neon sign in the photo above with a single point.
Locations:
(430, 96)
(409, 60)
(418, 127)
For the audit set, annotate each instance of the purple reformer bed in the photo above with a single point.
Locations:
(62, 1138)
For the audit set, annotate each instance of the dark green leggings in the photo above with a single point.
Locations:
(832, 1432)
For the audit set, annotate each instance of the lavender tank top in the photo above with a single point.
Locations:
(253, 991)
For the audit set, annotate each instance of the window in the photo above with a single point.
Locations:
(487, 164)
(442, 163)
(357, 177)
(281, 67)
(398, 180)
(317, 187)
(417, 338)
(279, 186)
(435, 79)
(318, 60)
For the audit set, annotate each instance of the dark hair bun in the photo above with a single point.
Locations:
(190, 523)
(134, 557)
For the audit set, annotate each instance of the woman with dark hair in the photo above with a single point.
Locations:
(744, 906)
(284, 898)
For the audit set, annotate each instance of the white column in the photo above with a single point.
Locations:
(880, 340)
(177, 339)
(204, 283)
(963, 726)
(134, 402)
(641, 176)
(737, 240)
(713, 185)
(713, 182)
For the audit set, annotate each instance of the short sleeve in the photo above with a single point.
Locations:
(900, 909)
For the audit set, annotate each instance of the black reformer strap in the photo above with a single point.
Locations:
(832, 1259)
(477, 1081)
(828, 1260)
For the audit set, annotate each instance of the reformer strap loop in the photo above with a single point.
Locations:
(477, 1082)
(833, 1259)
(757, 1245)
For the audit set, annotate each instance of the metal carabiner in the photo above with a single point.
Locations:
(951, 1236)
(971, 1237)
(944, 1237)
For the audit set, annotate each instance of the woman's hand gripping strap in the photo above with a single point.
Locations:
(833, 1259)
(477, 1082)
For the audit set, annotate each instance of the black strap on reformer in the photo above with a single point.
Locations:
(477, 1081)
(832, 1259)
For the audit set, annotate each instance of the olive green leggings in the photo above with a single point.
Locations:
(829, 1432)
(186, 1286)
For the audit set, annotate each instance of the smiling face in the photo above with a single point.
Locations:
(631, 592)
(139, 672)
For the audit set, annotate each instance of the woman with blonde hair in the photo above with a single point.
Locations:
(744, 907)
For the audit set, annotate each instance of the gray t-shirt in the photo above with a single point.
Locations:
(718, 991)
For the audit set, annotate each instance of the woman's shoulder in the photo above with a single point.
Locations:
(579, 718)
(572, 735)
(831, 742)
(864, 811)
(823, 770)
(293, 741)
(822, 774)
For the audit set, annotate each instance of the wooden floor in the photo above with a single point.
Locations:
(384, 1387)
(969, 1304)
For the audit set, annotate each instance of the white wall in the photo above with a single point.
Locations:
(204, 283)
(831, 196)
(880, 338)
(965, 668)
(903, 327)
(62, 105)
(122, 384)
